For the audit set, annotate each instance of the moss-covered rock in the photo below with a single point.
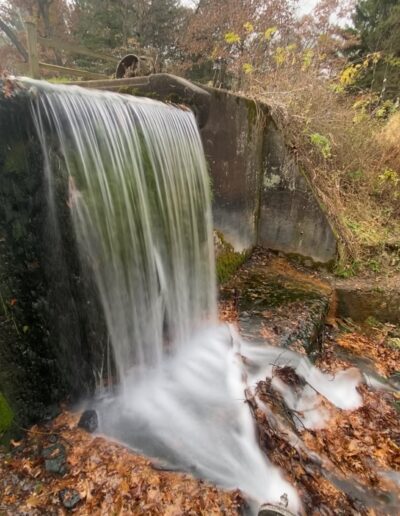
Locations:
(278, 303)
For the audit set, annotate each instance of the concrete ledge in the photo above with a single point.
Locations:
(161, 86)
(360, 299)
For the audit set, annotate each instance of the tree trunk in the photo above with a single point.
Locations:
(44, 13)
(14, 40)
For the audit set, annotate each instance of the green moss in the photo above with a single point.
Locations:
(394, 343)
(15, 160)
(132, 90)
(227, 264)
(373, 322)
(128, 90)
(251, 113)
(228, 260)
(260, 294)
(347, 270)
(6, 415)
(174, 98)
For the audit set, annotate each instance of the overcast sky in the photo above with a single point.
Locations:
(305, 6)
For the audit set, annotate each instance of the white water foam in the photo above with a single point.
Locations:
(193, 413)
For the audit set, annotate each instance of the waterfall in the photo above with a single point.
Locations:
(140, 201)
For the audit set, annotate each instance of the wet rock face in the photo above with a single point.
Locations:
(27, 361)
(51, 327)
(276, 303)
(55, 459)
(69, 498)
(89, 421)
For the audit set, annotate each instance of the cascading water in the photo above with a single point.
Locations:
(140, 202)
(139, 197)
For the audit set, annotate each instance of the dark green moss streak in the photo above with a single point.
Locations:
(228, 260)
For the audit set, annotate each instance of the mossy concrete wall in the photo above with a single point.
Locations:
(48, 339)
(291, 218)
(227, 260)
(26, 360)
(52, 331)
(260, 195)
(233, 143)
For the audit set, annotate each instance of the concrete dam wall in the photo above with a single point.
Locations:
(261, 197)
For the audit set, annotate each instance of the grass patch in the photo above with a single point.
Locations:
(228, 263)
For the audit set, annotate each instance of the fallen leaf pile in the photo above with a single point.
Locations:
(99, 477)
(385, 358)
(362, 442)
(228, 311)
(342, 469)
(283, 446)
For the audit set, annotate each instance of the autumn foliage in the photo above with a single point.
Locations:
(102, 477)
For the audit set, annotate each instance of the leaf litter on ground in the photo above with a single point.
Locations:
(348, 467)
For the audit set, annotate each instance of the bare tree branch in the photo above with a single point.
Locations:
(14, 40)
